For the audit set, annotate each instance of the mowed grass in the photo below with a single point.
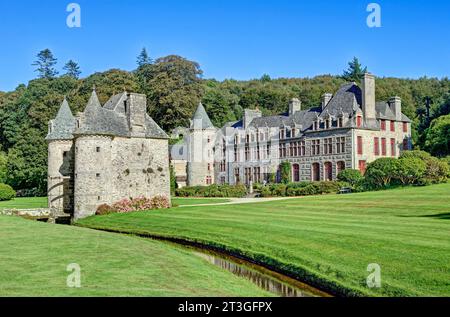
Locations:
(180, 201)
(41, 202)
(24, 203)
(34, 258)
(325, 240)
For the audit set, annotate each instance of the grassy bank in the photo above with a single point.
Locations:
(24, 203)
(34, 258)
(325, 240)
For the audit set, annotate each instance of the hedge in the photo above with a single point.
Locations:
(6, 192)
(237, 191)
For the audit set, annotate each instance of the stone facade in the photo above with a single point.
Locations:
(110, 153)
(347, 130)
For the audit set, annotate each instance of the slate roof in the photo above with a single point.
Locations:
(200, 114)
(347, 100)
(63, 125)
(108, 120)
(383, 111)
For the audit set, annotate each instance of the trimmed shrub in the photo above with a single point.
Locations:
(351, 176)
(380, 172)
(226, 190)
(160, 202)
(436, 171)
(416, 154)
(410, 170)
(6, 192)
(104, 209)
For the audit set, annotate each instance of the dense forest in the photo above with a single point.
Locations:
(174, 86)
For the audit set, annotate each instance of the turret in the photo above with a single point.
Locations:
(60, 160)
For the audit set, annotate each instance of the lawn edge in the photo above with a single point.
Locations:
(301, 274)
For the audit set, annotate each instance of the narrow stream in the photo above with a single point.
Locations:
(266, 279)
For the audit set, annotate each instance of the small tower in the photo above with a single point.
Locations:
(61, 160)
(201, 140)
(92, 159)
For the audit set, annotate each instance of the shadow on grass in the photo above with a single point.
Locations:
(445, 216)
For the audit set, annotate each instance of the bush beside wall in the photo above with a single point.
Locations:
(237, 191)
(6, 192)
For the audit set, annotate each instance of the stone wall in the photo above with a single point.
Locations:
(110, 169)
(60, 175)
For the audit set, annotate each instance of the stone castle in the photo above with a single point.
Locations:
(347, 130)
(105, 154)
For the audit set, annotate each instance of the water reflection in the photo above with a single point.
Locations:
(265, 279)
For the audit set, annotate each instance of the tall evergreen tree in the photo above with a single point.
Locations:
(45, 64)
(355, 71)
(72, 69)
(144, 58)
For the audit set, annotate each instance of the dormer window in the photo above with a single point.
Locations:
(293, 131)
(125, 106)
(282, 134)
(316, 125)
(327, 123)
(358, 121)
(97, 149)
(340, 122)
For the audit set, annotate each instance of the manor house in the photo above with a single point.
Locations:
(347, 130)
(105, 154)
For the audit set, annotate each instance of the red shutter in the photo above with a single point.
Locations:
(383, 146)
(392, 126)
(358, 121)
(360, 145)
(405, 127)
(376, 146)
(362, 167)
(383, 125)
(393, 148)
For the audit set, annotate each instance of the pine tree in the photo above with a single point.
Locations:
(72, 69)
(144, 58)
(45, 64)
(355, 71)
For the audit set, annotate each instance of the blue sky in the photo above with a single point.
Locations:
(239, 39)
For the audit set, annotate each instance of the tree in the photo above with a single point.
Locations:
(174, 89)
(45, 64)
(410, 170)
(3, 167)
(380, 172)
(351, 176)
(285, 172)
(72, 69)
(437, 140)
(355, 71)
(144, 58)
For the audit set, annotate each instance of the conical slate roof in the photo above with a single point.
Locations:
(62, 127)
(200, 114)
(112, 119)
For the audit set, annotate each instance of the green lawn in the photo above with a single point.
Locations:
(25, 203)
(325, 240)
(41, 202)
(35, 255)
(179, 201)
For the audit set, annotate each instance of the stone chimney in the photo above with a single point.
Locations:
(136, 109)
(395, 103)
(326, 99)
(294, 105)
(249, 115)
(368, 96)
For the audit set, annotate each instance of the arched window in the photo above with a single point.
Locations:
(340, 166)
(315, 172)
(328, 171)
(296, 172)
